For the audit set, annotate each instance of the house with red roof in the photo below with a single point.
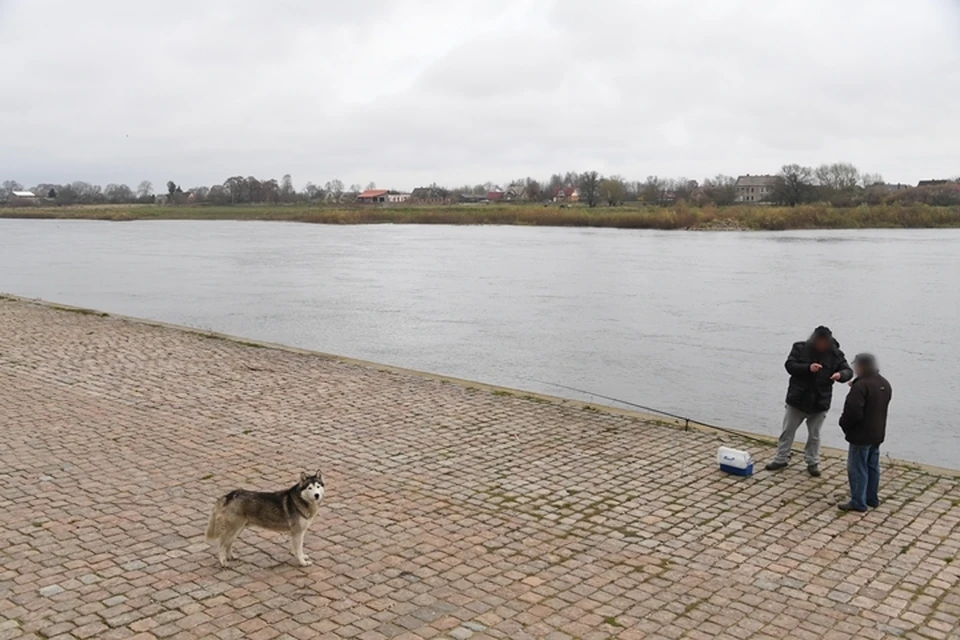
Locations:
(566, 194)
(372, 196)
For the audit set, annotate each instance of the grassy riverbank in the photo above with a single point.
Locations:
(625, 217)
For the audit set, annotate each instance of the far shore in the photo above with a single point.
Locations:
(630, 216)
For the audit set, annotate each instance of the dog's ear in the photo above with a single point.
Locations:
(319, 476)
(303, 476)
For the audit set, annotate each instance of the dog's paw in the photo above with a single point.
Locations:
(305, 561)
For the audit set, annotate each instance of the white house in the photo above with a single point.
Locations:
(755, 188)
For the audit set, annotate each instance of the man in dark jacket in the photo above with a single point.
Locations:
(864, 423)
(814, 366)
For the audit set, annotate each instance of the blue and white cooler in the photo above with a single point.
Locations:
(735, 462)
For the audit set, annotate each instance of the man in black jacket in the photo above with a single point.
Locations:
(864, 423)
(814, 366)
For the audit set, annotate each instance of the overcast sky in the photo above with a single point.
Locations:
(408, 92)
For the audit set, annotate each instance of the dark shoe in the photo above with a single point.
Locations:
(846, 506)
(814, 470)
(873, 505)
(775, 466)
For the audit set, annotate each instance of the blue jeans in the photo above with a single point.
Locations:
(863, 469)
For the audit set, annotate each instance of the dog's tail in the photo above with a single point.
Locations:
(213, 526)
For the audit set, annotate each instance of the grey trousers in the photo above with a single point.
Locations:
(792, 420)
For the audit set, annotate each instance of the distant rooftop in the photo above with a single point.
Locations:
(756, 181)
(373, 193)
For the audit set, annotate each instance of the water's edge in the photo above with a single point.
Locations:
(647, 417)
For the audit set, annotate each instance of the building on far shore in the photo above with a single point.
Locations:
(893, 188)
(430, 195)
(21, 198)
(372, 196)
(755, 188)
(516, 193)
(382, 196)
(566, 194)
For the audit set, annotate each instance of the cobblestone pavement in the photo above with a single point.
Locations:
(452, 510)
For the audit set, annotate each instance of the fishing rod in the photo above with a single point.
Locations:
(686, 420)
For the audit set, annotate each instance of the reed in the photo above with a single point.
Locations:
(678, 216)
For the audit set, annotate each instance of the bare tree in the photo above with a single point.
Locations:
(795, 185)
(683, 188)
(253, 189)
(236, 187)
(839, 176)
(845, 176)
(66, 195)
(8, 187)
(837, 183)
(287, 192)
(556, 183)
(613, 190)
(870, 179)
(43, 189)
(720, 190)
(84, 192)
(534, 190)
(590, 188)
(311, 192)
(218, 194)
(145, 191)
(118, 193)
(334, 189)
(269, 191)
(201, 193)
(654, 190)
(821, 176)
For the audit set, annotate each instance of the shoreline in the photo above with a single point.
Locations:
(680, 425)
(679, 217)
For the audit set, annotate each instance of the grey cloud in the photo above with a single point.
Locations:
(412, 91)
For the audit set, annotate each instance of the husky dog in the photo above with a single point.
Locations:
(292, 510)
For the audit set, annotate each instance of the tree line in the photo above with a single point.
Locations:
(840, 184)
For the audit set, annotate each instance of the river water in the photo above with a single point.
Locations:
(697, 324)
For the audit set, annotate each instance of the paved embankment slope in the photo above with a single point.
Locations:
(453, 510)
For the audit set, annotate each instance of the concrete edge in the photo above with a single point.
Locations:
(462, 382)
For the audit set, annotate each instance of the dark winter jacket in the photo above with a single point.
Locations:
(864, 419)
(812, 392)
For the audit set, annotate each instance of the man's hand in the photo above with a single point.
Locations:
(815, 367)
(835, 377)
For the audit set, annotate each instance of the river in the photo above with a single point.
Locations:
(697, 324)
